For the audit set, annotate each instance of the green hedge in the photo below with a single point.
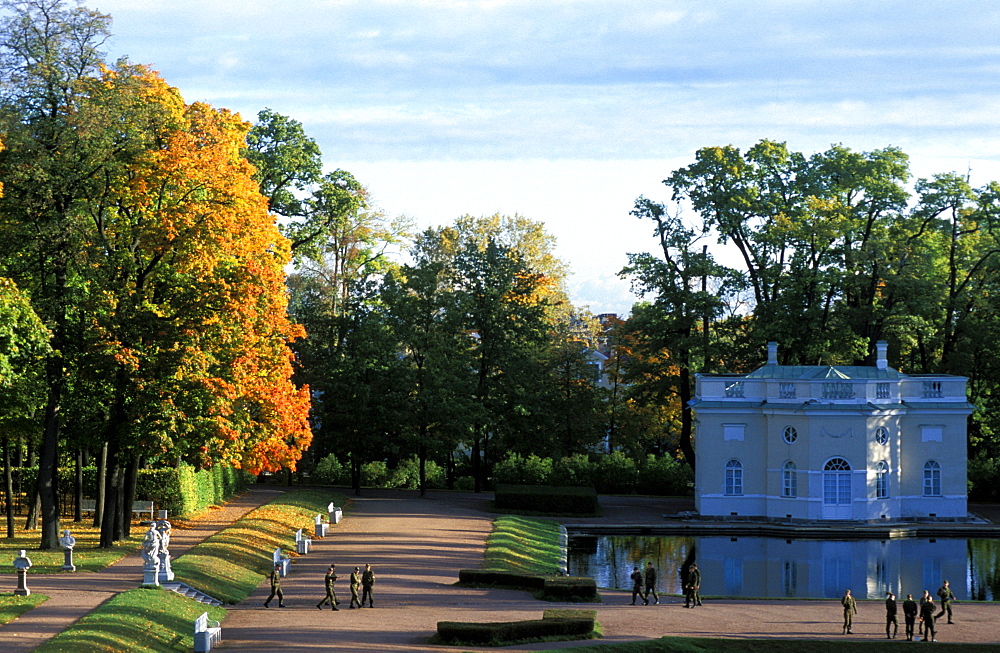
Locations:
(529, 498)
(576, 624)
(613, 473)
(181, 490)
(570, 588)
(495, 578)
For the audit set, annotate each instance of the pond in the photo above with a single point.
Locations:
(795, 568)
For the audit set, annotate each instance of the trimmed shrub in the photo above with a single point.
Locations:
(505, 632)
(492, 578)
(529, 498)
(573, 471)
(664, 476)
(375, 474)
(406, 476)
(329, 471)
(530, 470)
(616, 474)
(569, 588)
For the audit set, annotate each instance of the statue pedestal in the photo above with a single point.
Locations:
(166, 574)
(22, 583)
(68, 560)
(150, 576)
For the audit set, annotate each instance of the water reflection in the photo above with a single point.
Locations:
(776, 568)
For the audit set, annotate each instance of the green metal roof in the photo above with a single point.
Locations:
(832, 372)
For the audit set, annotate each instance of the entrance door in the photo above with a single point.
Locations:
(837, 489)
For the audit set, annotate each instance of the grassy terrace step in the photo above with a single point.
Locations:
(135, 621)
(231, 564)
(12, 607)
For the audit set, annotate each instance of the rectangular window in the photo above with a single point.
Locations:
(931, 433)
(734, 482)
(735, 432)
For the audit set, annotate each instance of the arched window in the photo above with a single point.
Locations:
(790, 434)
(932, 479)
(734, 478)
(881, 480)
(789, 480)
(837, 482)
(881, 435)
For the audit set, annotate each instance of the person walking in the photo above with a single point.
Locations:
(331, 594)
(890, 616)
(692, 594)
(909, 615)
(637, 586)
(927, 618)
(850, 609)
(355, 586)
(945, 594)
(367, 583)
(275, 587)
(651, 583)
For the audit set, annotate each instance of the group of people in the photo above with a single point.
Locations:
(361, 581)
(644, 585)
(911, 613)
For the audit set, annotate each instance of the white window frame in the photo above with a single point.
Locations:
(789, 480)
(881, 480)
(734, 478)
(932, 478)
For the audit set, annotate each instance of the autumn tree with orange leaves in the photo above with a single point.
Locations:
(135, 224)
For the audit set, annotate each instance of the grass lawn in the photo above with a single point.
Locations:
(136, 620)
(231, 564)
(702, 644)
(87, 555)
(12, 607)
(524, 545)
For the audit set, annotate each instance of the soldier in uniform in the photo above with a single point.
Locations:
(850, 609)
(945, 594)
(692, 594)
(275, 587)
(923, 599)
(367, 582)
(637, 586)
(355, 587)
(651, 583)
(927, 618)
(890, 616)
(909, 615)
(331, 593)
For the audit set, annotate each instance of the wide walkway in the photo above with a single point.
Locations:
(416, 547)
(72, 595)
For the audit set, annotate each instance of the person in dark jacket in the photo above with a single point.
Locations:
(909, 615)
(331, 594)
(891, 619)
(651, 583)
(367, 583)
(275, 587)
(637, 581)
(927, 619)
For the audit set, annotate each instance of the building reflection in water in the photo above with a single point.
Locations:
(780, 568)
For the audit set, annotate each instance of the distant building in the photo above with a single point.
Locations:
(831, 442)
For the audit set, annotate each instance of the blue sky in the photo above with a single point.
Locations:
(566, 111)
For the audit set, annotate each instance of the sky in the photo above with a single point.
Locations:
(566, 111)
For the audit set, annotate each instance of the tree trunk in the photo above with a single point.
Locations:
(128, 494)
(422, 456)
(356, 475)
(686, 443)
(102, 469)
(111, 521)
(476, 463)
(78, 487)
(8, 487)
